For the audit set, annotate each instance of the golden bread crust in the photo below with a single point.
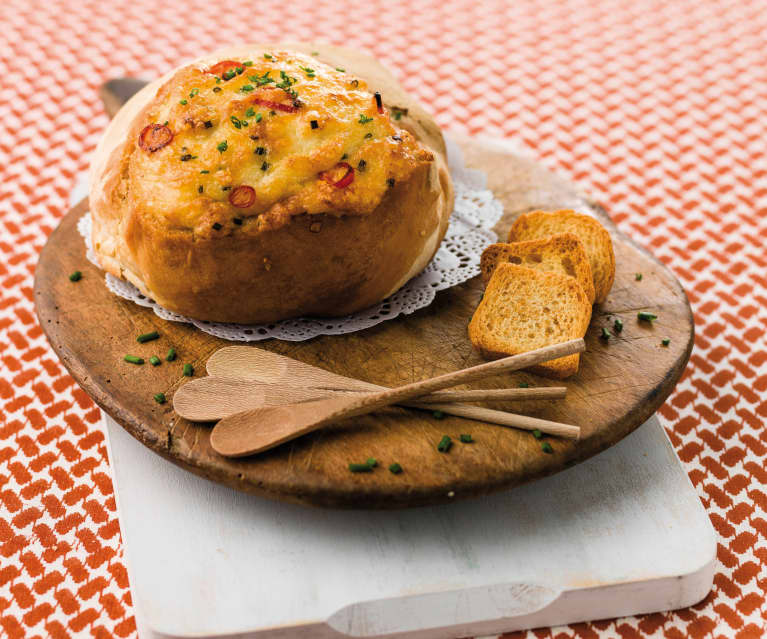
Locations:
(318, 203)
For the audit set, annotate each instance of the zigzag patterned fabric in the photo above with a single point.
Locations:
(657, 108)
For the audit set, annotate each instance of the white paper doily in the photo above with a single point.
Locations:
(470, 230)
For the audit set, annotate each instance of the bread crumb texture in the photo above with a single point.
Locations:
(268, 138)
(561, 253)
(524, 309)
(595, 238)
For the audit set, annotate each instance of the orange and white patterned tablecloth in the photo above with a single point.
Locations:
(657, 107)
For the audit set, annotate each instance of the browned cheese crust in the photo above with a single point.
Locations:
(265, 182)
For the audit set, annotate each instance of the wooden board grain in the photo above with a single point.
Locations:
(620, 383)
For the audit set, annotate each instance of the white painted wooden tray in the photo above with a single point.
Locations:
(622, 533)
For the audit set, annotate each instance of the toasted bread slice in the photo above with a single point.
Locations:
(561, 253)
(523, 309)
(596, 240)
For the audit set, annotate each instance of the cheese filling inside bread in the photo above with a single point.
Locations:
(266, 182)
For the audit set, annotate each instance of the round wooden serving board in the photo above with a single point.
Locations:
(620, 383)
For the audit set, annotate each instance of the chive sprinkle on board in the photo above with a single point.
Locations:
(638, 277)
(395, 468)
(617, 326)
(132, 359)
(188, 370)
(444, 444)
(360, 468)
(171, 355)
(647, 317)
(155, 361)
(523, 385)
(466, 439)
(160, 398)
(666, 341)
(438, 414)
(546, 448)
(538, 434)
(147, 337)
(76, 276)
(372, 462)
(605, 334)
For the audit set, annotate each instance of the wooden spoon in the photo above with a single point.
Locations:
(257, 430)
(212, 398)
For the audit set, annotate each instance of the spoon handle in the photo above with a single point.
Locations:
(372, 401)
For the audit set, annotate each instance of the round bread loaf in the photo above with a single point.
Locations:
(266, 182)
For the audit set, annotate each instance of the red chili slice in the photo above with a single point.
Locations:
(277, 106)
(242, 196)
(225, 65)
(154, 136)
(345, 180)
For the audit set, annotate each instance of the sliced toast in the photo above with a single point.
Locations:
(596, 240)
(523, 309)
(561, 253)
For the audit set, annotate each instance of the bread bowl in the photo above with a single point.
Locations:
(269, 181)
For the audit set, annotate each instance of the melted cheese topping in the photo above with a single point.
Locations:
(280, 124)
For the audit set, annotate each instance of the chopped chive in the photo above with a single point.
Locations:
(666, 341)
(466, 439)
(132, 359)
(397, 115)
(260, 150)
(438, 414)
(537, 433)
(188, 370)
(395, 468)
(235, 121)
(147, 337)
(314, 124)
(247, 88)
(605, 334)
(372, 462)
(76, 276)
(444, 444)
(182, 102)
(204, 171)
(360, 468)
(250, 112)
(222, 146)
(647, 317)
(268, 56)
(160, 398)
(340, 69)
(155, 361)
(237, 221)
(618, 325)
(546, 448)
(638, 277)
(194, 92)
(247, 63)
(217, 226)
(523, 385)
(364, 119)
(171, 355)
(258, 117)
